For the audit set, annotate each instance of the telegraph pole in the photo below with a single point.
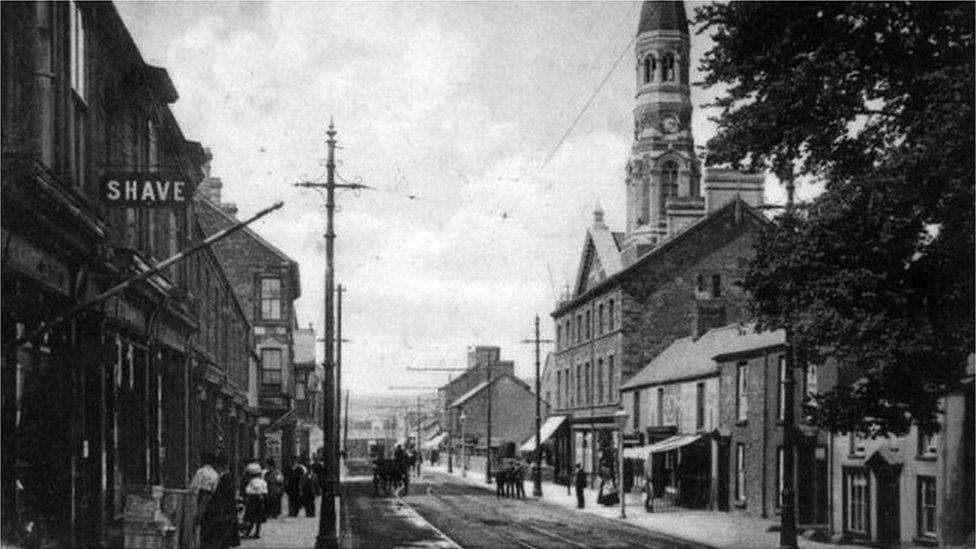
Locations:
(338, 370)
(450, 415)
(537, 470)
(787, 532)
(328, 537)
(488, 439)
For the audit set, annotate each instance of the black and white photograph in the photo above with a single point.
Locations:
(520, 274)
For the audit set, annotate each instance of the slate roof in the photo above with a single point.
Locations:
(459, 401)
(687, 358)
(663, 15)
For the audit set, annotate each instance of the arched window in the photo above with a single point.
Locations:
(645, 203)
(667, 68)
(650, 65)
(669, 185)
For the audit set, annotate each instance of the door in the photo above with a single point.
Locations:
(889, 525)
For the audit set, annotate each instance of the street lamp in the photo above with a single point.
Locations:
(464, 457)
(620, 421)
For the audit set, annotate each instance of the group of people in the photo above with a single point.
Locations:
(259, 495)
(510, 480)
(608, 493)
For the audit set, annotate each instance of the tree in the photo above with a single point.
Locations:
(875, 100)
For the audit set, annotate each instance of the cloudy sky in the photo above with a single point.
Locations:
(448, 111)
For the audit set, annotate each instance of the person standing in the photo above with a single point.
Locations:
(308, 489)
(292, 486)
(203, 485)
(219, 528)
(519, 480)
(255, 494)
(276, 486)
(580, 481)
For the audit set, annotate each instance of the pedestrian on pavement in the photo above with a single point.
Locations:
(276, 486)
(580, 481)
(292, 486)
(519, 480)
(308, 489)
(255, 495)
(203, 485)
(219, 528)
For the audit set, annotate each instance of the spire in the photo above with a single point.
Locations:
(663, 15)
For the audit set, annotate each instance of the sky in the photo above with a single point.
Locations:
(447, 110)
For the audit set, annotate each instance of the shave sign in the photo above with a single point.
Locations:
(146, 190)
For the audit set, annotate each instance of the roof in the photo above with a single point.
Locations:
(601, 255)
(433, 442)
(545, 432)
(663, 15)
(663, 249)
(688, 358)
(459, 401)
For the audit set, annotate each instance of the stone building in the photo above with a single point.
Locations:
(267, 283)
(118, 400)
(308, 394)
(674, 266)
(479, 359)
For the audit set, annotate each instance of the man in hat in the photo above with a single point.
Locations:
(580, 481)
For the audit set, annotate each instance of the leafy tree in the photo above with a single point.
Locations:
(875, 100)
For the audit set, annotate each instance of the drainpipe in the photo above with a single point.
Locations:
(151, 366)
(78, 421)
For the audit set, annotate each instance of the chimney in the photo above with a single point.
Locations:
(708, 314)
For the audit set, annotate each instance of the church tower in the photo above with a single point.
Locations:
(663, 174)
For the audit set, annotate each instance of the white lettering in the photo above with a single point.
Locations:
(113, 190)
(178, 191)
(162, 189)
(147, 192)
(131, 190)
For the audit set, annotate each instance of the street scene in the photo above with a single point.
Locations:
(416, 274)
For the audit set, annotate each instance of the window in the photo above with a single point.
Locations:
(667, 67)
(810, 380)
(559, 336)
(780, 467)
(926, 507)
(559, 389)
(856, 494)
(856, 445)
(781, 393)
(579, 384)
(699, 285)
(740, 472)
(700, 406)
(599, 380)
(636, 414)
(610, 318)
(79, 59)
(271, 299)
(669, 185)
(660, 406)
(599, 320)
(569, 390)
(300, 388)
(589, 384)
(588, 324)
(716, 285)
(650, 66)
(928, 445)
(579, 328)
(741, 391)
(271, 369)
(611, 380)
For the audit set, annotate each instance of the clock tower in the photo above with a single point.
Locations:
(663, 175)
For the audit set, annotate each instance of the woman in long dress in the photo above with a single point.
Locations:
(255, 501)
(219, 528)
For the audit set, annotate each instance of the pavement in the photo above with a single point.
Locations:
(719, 529)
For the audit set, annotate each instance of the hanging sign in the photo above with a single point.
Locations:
(146, 190)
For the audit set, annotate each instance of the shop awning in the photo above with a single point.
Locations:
(666, 445)
(545, 432)
(433, 442)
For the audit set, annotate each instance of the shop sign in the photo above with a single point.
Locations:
(146, 190)
(26, 257)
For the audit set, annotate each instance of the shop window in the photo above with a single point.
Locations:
(271, 299)
(857, 493)
(926, 507)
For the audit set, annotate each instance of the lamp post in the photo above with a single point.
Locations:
(620, 421)
(464, 457)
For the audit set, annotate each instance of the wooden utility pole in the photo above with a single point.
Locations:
(328, 536)
(787, 532)
(537, 469)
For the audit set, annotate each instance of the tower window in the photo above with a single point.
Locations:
(669, 185)
(667, 68)
(650, 66)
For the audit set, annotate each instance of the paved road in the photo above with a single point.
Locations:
(474, 517)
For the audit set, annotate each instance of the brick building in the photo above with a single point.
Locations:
(118, 400)
(479, 359)
(686, 237)
(267, 283)
(308, 393)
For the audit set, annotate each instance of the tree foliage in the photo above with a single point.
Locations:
(875, 100)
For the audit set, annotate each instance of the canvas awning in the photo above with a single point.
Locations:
(433, 442)
(545, 432)
(666, 445)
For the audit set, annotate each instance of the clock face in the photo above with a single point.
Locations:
(670, 125)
